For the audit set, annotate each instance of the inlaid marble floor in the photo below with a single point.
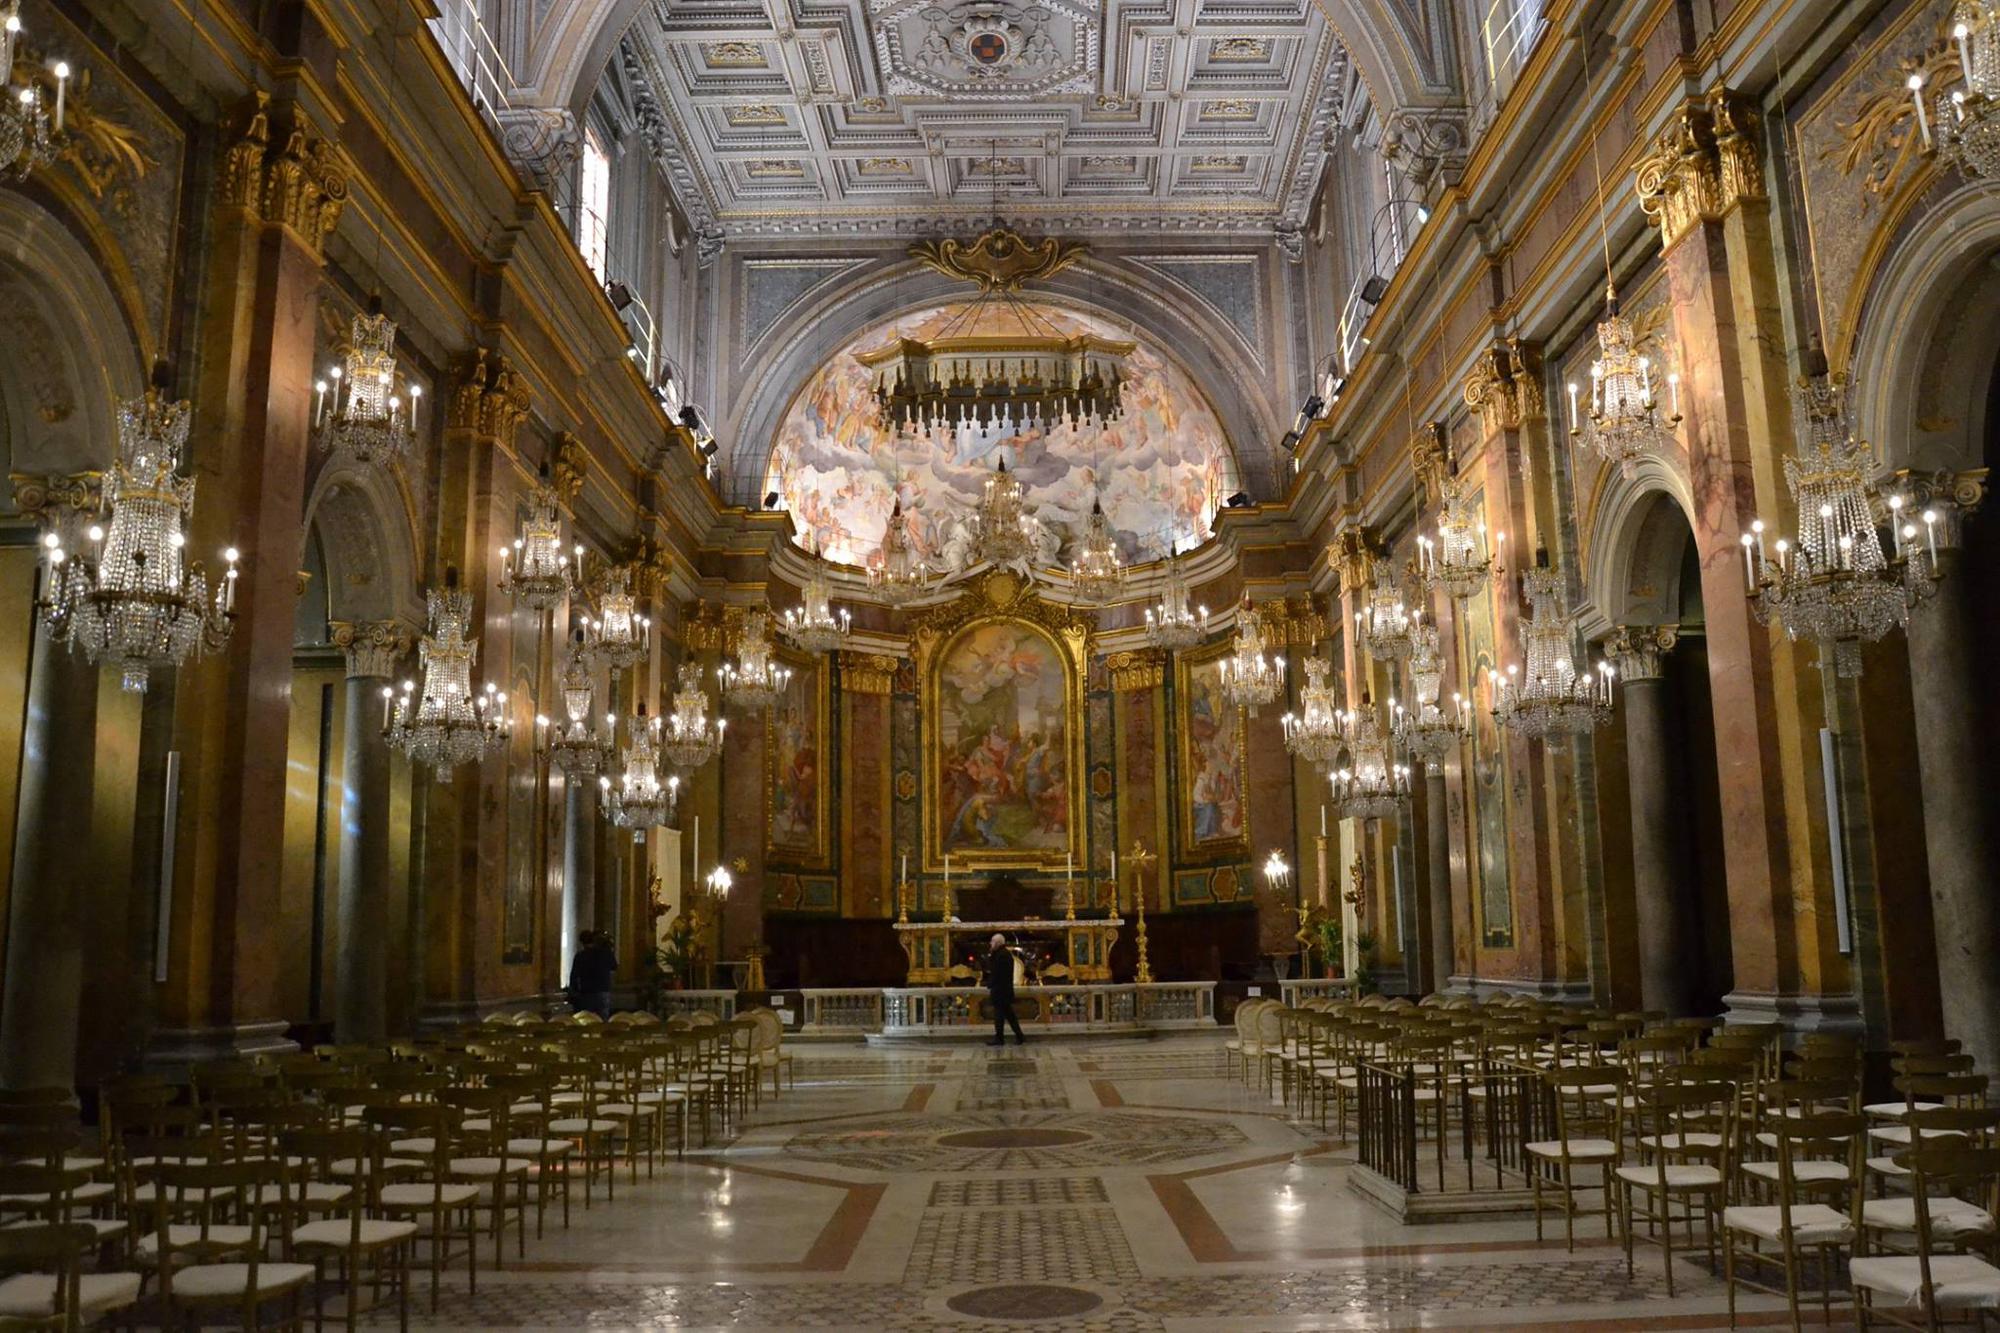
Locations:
(1104, 1185)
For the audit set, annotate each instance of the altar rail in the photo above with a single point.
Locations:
(836, 1010)
(1297, 992)
(1159, 1006)
(721, 1003)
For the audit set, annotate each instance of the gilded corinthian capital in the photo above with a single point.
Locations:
(1702, 165)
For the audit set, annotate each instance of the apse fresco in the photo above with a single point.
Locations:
(1003, 738)
(1163, 465)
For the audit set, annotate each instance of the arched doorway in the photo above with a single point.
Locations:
(1672, 905)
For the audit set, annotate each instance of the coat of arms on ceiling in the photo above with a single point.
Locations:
(988, 47)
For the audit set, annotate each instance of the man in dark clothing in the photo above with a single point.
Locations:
(590, 974)
(1000, 992)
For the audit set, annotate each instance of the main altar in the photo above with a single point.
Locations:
(943, 952)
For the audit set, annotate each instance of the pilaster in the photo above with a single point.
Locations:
(279, 193)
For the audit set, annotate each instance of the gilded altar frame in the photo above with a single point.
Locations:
(1234, 847)
(1000, 596)
(811, 677)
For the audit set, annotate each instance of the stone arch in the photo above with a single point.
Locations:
(66, 370)
(1921, 394)
(844, 310)
(1633, 545)
(1406, 54)
(365, 524)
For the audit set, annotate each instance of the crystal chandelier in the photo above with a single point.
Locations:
(571, 745)
(1000, 526)
(1428, 729)
(1964, 128)
(1095, 570)
(813, 624)
(691, 738)
(756, 678)
(1622, 420)
(1371, 785)
(1556, 697)
(997, 362)
(446, 724)
(1174, 624)
(1382, 627)
(356, 410)
(899, 575)
(1314, 732)
(31, 133)
(1836, 585)
(536, 569)
(616, 637)
(134, 602)
(1250, 676)
(1458, 561)
(638, 799)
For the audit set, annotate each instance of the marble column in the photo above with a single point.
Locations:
(361, 997)
(579, 905)
(1437, 851)
(50, 897)
(1955, 771)
(1638, 652)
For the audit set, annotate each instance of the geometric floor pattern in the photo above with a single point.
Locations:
(1113, 1185)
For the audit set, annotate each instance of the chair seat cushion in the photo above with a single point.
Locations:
(1895, 1110)
(1901, 1134)
(541, 1147)
(338, 1232)
(582, 1126)
(1812, 1223)
(1580, 1150)
(107, 1228)
(1887, 1166)
(484, 1168)
(1681, 1142)
(1680, 1176)
(1949, 1217)
(91, 1191)
(423, 1196)
(33, 1295)
(146, 1249)
(216, 1281)
(1960, 1282)
(1812, 1172)
(314, 1193)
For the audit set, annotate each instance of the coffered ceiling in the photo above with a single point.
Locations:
(905, 116)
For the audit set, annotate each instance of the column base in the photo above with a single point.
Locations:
(1563, 992)
(1798, 1013)
(172, 1048)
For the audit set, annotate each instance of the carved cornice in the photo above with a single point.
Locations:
(56, 498)
(1639, 652)
(281, 169)
(1702, 165)
(1951, 496)
(999, 260)
(569, 465)
(1505, 386)
(1430, 460)
(1145, 669)
(373, 647)
(867, 673)
(1001, 592)
(488, 398)
(1354, 555)
(1292, 620)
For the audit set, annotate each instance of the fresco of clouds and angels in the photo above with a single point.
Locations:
(1165, 462)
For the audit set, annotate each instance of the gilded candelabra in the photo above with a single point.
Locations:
(1141, 861)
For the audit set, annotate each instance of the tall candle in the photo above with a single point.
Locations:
(906, 866)
(1322, 821)
(696, 863)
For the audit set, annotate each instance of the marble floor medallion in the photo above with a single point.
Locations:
(1025, 1302)
(1096, 1186)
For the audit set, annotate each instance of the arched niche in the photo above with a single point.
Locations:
(70, 357)
(1635, 548)
(1923, 365)
(1233, 387)
(363, 524)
